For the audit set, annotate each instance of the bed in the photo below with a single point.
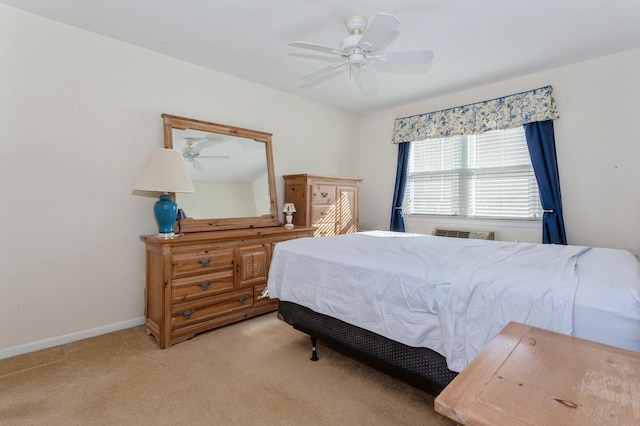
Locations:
(421, 306)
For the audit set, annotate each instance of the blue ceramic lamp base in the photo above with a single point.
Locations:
(165, 211)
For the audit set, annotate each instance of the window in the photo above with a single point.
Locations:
(488, 175)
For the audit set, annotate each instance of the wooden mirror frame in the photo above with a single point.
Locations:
(171, 122)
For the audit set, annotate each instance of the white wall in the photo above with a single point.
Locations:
(597, 143)
(78, 115)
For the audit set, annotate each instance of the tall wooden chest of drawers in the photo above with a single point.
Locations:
(204, 280)
(328, 204)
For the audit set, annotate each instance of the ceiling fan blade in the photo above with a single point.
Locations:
(415, 57)
(196, 166)
(366, 77)
(317, 47)
(323, 71)
(378, 30)
(203, 143)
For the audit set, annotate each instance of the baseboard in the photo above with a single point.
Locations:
(68, 338)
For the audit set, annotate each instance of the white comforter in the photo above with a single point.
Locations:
(529, 283)
(450, 295)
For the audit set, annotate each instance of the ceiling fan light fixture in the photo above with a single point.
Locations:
(356, 24)
(357, 59)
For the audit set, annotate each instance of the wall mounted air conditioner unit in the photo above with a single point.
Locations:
(478, 235)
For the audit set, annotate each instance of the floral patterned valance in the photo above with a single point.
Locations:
(501, 113)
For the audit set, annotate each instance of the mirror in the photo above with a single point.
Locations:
(232, 173)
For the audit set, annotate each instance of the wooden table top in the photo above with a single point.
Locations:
(530, 376)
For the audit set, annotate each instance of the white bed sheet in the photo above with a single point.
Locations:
(398, 285)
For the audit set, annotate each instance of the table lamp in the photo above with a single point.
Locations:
(165, 171)
(289, 209)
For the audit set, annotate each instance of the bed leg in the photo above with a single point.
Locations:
(314, 353)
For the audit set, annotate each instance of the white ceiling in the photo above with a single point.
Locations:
(475, 42)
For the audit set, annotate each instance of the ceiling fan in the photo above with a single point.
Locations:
(191, 151)
(359, 50)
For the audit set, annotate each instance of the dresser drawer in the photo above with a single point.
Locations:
(325, 230)
(323, 214)
(188, 313)
(259, 300)
(324, 220)
(201, 260)
(323, 194)
(203, 285)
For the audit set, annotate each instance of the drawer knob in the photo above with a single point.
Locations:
(242, 299)
(324, 194)
(204, 285)
(205, 262)
(187, 314)
(323, 214)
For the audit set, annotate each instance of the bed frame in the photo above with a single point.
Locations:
(420, 367)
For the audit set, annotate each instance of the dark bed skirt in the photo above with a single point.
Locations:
(421, 367)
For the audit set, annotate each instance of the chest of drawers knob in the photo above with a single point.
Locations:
(187, 314)
(205, 262)
(204, 285)
(242, 299)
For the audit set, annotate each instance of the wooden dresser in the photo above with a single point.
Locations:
(204, 280)
(329, 204)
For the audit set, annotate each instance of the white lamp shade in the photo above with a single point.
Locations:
(289, 208)
(164, 171)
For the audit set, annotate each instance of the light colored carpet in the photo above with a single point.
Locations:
(256, 372)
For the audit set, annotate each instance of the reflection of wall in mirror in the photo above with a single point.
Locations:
(218, 200)
(261, 194)
(227, 199)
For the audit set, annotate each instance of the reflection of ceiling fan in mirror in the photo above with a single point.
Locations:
(191, 151)
(361, 49)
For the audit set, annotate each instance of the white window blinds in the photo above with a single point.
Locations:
(488, 175)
